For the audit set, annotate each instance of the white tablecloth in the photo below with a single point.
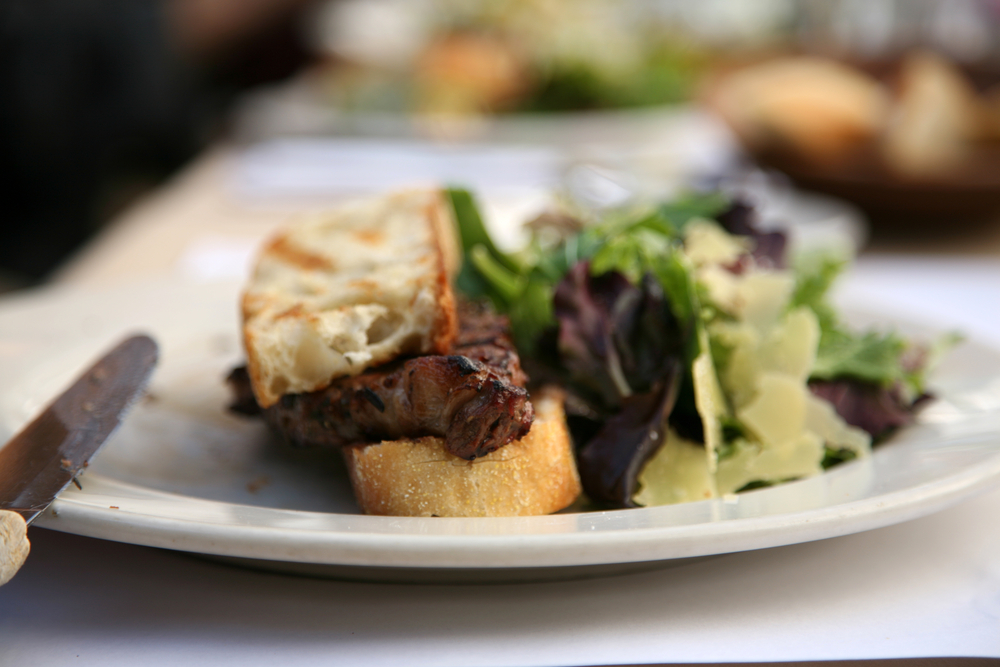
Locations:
(930, 587)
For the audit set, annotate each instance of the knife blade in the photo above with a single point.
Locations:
(48, 454)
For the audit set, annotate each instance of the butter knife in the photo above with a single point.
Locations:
(49, 453)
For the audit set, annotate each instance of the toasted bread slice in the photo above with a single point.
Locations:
(341, 291)
(534, 475)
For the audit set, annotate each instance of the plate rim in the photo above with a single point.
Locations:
(414, 550)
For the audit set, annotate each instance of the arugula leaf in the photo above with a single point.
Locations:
(532, 313)
(557, 262)
(521, 291)
(675, 276)
(630, 254)
(873, 357)
(473, 230)
(667, 220)
(691, 206)
(505, 285)
(814, 278)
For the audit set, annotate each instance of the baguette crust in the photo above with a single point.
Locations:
(534, 475)
(348, 289)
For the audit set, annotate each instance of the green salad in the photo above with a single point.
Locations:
(698, 360)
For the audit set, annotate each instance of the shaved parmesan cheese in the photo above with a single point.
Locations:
(752, 462)
(708, 398)
(677, 473)
(778, 414)
(823, 420)
(763, 297)
(791, 347)
(705, 243)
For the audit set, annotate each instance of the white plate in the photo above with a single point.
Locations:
(184, 474)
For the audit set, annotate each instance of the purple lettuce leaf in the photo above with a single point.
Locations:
(584, 307)
(622, 350)
(610, 462)
(648, 336)
(872, 407)
(614, 338)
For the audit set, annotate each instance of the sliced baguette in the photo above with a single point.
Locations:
(534, 475)
(341, 291)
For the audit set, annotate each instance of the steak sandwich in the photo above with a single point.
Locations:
(355, 340)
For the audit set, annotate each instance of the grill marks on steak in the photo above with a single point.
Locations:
(474, 398)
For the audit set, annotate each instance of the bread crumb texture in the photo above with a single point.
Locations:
(340, 291)
(534, 475)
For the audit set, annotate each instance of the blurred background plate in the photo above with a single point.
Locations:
(921, 164)
(932, 206)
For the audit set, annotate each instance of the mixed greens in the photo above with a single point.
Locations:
(697, 362)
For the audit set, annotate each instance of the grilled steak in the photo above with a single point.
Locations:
(474, 398)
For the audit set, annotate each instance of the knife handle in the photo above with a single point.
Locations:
(14, 545)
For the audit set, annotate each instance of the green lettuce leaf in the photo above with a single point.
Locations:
(814, 278)
(871, 356)
(632, 244)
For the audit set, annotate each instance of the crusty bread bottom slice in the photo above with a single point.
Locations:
(534, 475)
